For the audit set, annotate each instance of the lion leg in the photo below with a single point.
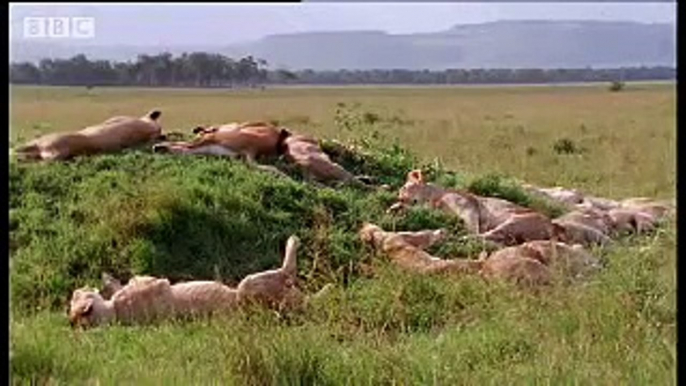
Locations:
(423, 239)
(518, 229)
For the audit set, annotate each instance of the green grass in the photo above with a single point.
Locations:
(193, 218)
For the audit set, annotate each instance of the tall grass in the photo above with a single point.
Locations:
(208, 218)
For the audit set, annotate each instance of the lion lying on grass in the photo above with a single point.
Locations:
(251, 140)
(492, 219)
(607, 217)
(145, 298)
(316, 165)
(531, 263)
(248, 140)
(592, 220)
(259, 139)
(111, 135)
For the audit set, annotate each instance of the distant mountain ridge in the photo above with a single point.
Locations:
(500, 44)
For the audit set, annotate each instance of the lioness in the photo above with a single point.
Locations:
(579, 233)
(493, 219)
(147, 298)
(111, 135)
(592, 219)
(571, 198)
(249, 139)
(566, 197)
(306, 153)
(658, 210)
(531, 263)
(406, 250)
(275, 288)
(632, 220)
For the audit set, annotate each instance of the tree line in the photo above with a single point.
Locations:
(201, 69)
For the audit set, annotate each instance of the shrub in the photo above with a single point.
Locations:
(566, 146)
(617, 86)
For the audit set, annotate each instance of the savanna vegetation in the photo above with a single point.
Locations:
(209, 218)
(202, 69)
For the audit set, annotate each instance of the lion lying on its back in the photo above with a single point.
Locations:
(147, 298)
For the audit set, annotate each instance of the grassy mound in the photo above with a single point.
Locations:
(202, 218)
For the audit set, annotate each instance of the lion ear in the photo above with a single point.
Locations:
(154, 114)
(108, 279)
(110, 285)
(415, 176)
(88, 308)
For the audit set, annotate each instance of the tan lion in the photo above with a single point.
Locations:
(492, 219)
(114, 134)
(574, 199)
(305, 152)
(632, 220)
(593, 220)
(406, 250)
(659, 210)
(248, 139)
(579, 233)
(274, 288)
(587, 226)
(566, 197)
(531, 263)
(147, 298)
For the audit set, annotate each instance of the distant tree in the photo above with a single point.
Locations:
(202, 69)
(284, 76)
(25, 73)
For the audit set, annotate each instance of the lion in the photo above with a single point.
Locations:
(563, 196)
(251, 140)
(531, 263)
(305, 152)
(248, 140)
(114, 134)
(406, 250)
(146, 298)
(492, 219)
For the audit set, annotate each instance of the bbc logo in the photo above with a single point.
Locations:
(59, 27)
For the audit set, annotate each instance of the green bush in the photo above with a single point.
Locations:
(567, 146)
(617, 86)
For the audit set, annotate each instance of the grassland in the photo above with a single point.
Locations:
(211, 218)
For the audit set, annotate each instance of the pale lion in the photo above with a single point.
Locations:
(146, 298)
(111, 135)
(493, 219)
(531, 263)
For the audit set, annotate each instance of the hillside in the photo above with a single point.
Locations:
(502, 44)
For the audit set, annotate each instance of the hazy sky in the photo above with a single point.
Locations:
(217, 24)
